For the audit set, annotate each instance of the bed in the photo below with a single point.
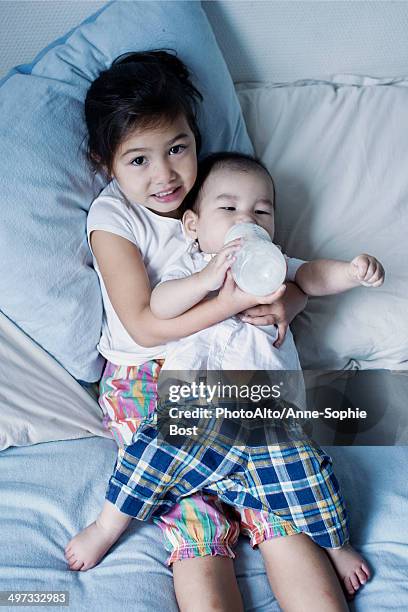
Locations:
(323, 90)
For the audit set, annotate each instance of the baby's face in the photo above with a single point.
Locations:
(229, 197)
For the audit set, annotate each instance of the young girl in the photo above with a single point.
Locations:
(141, 117)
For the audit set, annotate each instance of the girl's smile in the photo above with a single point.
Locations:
(156, 167)
(168, 196)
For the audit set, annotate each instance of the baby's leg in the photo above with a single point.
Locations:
(352, 569)
(87, 548)
(320, 503)
(301, 575)
(199, 534)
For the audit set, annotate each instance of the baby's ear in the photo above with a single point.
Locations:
(190, 223)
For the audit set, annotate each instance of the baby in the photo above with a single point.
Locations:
(230, 189)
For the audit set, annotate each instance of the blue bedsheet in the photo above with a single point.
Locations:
(49, 491)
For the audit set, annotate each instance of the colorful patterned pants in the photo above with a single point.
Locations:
(198, 525)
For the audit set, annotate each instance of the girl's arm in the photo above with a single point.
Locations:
(128, 287)
(328, 276)
(280, 313)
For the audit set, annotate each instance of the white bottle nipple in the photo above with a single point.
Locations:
(259, 267)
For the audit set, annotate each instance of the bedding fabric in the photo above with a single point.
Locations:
(338, 152)
(50, 491)
(39, 400)
(47, 285)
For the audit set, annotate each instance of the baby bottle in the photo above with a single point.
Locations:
(259, 267)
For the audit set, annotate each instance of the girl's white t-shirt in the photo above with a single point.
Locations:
(160, 241)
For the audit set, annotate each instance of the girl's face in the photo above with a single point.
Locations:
(157, 167)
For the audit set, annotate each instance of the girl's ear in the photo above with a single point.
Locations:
(99, 167)
(190, 223)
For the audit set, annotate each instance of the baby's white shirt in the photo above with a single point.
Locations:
(230, 344)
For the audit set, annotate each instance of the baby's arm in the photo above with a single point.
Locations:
(126, 281)
(328, 276)
(174, 297)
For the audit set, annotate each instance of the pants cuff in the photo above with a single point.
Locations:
(203, 549)
(272, 531)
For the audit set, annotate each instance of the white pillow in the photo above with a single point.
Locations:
(39, 400)
(338, 152)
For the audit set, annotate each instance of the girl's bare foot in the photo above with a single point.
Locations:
(87, 548)
(351, 568)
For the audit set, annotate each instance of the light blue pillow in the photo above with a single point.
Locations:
(47, 284)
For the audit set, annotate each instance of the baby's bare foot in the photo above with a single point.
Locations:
(351, 568)
(87, 548)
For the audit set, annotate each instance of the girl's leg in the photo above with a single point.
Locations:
(206, 584)
(87, 548)
(127, 397)
(301, 575)
(199, 534)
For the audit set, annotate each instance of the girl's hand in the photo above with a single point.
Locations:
(234, 300)
(280, 313)
(366, 270)
(213, 275)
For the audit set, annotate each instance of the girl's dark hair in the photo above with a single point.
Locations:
(230, 160)
(139, 90)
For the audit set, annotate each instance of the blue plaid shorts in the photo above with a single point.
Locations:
(294, 481)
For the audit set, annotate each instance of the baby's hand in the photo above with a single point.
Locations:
(367, 271)
(235, 300)
(213, 275)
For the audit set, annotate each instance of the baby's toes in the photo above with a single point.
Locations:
(355, 581)
(366, 570)
(361, 575)
(349, 587)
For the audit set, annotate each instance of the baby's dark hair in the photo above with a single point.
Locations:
(224, 160)
(139, 90)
